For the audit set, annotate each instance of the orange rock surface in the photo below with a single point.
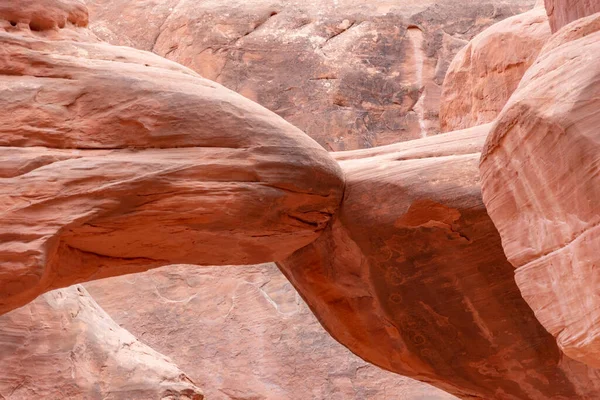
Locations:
(541, 185)
(64, 346)
(563, 12)
(244, 332)
(350, 73)
(411, 276)
(484, 73)
(115, 160)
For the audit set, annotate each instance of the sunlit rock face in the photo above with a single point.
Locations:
(350, 73)
(64, 346)
(115, 160)
(486, 72)
(541, 183)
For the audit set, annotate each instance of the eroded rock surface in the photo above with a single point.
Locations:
(412, 277)
(351, 74)
(541, 184)
(64, 346)
(114, 160)
(244, 332)
(563, 12)
(485, 73)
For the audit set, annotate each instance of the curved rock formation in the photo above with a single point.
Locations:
(412, 277)
(64, 346)
(484, 74)
(541, 184)
(563, 12)
(245, 333)
(350, 73)
(114, 160)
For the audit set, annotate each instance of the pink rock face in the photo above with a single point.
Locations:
(42, 15)
(411, 276)
(64, 346)
(541, 183)
(350, 73)
(245, 333)
(563, 12)
(484, 74)
(115, 160)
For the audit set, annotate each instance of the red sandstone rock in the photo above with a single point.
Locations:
(484, 74)
(115, 160)
(411, 276)
(350, 73)
(541, 184)
(64, 346)
(45, 14)
(245, 333)
(563, 12)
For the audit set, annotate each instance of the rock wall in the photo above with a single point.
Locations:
(541, 183)
(64, 346)
(349, 73)
(244, 332)
(486, 72)
(563, 12)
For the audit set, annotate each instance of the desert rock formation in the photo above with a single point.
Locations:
(563, 12)
(541, 185)
(244, 332)
(350, 73)
(486, 72)
(64, 346)
(411, 276)
(115, 160)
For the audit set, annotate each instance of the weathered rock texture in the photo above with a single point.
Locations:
(485, 73)
(350, 73)
(64, 346)
(114, 160)
(244, 332)
(541, 184)
(412, 277)
(563, 12)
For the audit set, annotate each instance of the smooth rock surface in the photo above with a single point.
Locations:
(244, 332)
(484, 73)
(114, 160)
(350, 73)
(563, 12)
(411, 276)
(64, 346)
(541, 184)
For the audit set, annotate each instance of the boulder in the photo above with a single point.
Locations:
(64, 346)
(541, 183)
(484, 73)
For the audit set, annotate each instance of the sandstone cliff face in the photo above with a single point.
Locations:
(411, 276)
(350, 73)
(563, 12)
(485, 73)
(115, 160)
(64, 346)
(244, 333)
(541, 184)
